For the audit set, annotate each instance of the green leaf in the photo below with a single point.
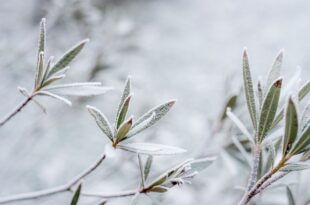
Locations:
(305, 89)
(231, 103)
(240, 125)
(160, 111)
(201, 164)
(302, 142)
(260, 93)
(159, 189)
(123, 111)
(141, 170)
(79, 89)
(123, 130)
(64, 61)
(142, 126)
(39, 70)
(76, 195)
(291, 126)
(151, 149)
(290, 196)
(101, 121)
(147, 167)
(275, 71)
(57, 97)
(295, 167)
(42, 37)
(305, 119)
(53, 79)
(120, 112)
(248, 89)
(269, 109)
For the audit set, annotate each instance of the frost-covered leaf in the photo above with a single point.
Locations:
(53, 79)
(159, 111)
(290, 196)
(141, 168)
(231, 103)
(67, 57)
(239, 124)
(305, 119)
(101, 121)
(291, 126)
(275, 70)
(76, 196)
(123, 111)
(142, 126)
(304, 90)
(159, 189)
(42, 36)
(295, 167)
(302, 143)
(201, 164)
(260, 93)
(248, 89)
(151, 149)
(79, 89)
(126, 92)
(52, 95)
(123, 129)
(135, 199)
(147, 167)
(269, 109)
(39, 70)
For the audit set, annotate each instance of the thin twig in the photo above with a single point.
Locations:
(15, 111)
(271, 181)
(48, 192)
(108, 196)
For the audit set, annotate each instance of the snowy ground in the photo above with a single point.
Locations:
(173, 49)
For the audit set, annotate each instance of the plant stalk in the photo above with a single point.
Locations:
(59, 189)
(15, 110)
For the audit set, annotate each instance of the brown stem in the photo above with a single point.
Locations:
(15, 111)
(48, 192)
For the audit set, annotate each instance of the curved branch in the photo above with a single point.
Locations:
(48, 192)
(16, 110)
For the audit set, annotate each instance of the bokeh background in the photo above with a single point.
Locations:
(189, 50)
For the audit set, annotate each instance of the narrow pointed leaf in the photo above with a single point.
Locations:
(101, 121)
(275, 71)
(295, 167)
(76, 196)
(53, 79)
(248, 89)
(79, 89)
(159, 111)
(42, 36)
(67, 57)
(302, 142)
(123, 129)
(304, 90)
(151, 149)
(123, 111)
(305, 119)
(291, 126)
(269, 109)
(290, 196)
(40, 70)
(201, 164)
(159, 189)
(141, 170)
(147, 167)
(125, 95)
(260, 93)
(240, 125)
(231, 103)
(52, 95)
(142, 126)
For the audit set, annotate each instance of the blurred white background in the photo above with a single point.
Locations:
(189, 50)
